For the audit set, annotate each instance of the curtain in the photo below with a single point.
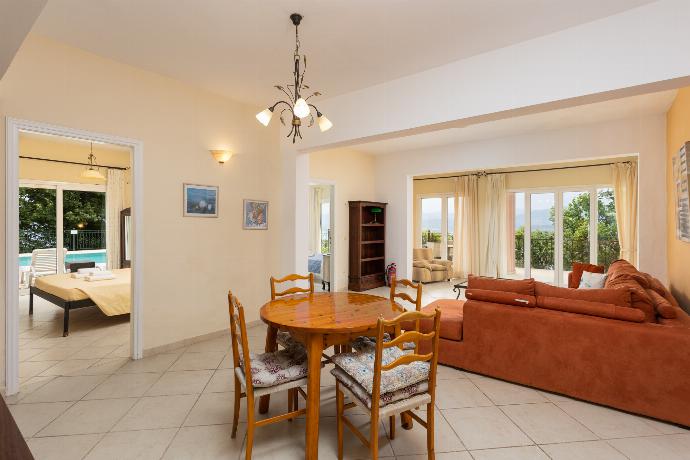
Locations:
(625, 197)
(466, 249)
(493, 217)
(316, 199)
(114, 203)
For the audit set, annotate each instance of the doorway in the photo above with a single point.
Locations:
(550, 229)
(321, 230)
(80, 207)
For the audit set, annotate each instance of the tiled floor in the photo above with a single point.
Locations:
(82, 398)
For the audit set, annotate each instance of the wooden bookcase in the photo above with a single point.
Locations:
(367, 246)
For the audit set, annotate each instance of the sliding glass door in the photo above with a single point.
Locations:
(437, 225)
(549, 230)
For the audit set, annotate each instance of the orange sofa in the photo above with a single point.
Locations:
(626, 346)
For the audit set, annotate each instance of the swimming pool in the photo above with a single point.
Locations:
(97, 256)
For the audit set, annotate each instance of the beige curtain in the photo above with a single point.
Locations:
(466, 254)
(625, 196)
(315, 200)
(493, 218)
(114, 203)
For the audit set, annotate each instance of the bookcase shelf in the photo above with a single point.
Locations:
(367, 245)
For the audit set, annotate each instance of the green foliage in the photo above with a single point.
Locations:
(430, 237)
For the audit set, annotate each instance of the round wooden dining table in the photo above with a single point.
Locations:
(321, 320)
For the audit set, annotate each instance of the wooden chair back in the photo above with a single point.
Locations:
(294, 289)
(240, 343)
(416, 300)
(408, 336)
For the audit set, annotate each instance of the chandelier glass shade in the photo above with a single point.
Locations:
(92, 171)
(296, 107)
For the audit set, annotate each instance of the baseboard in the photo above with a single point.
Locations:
(192, 340)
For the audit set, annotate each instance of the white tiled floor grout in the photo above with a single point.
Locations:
(44, 331)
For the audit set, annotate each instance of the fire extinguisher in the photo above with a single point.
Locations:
(390, 273)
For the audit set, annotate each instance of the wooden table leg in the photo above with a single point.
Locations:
(314, 350)
(406, 421)
(271, 345)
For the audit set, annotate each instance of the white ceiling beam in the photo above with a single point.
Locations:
(16, 20)
(636, 51)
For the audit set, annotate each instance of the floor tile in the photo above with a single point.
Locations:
(206, 442)
(607, 423)
(64, 389)
(87, 417)
(439, 456)
(180, 383)
(27, 387)
(223, 380)
(94, 352)
(510, 453)
(328, 446)
(545, 423)
(28, 369)
(587, 450)
(455, 394)
(668, 447)
(156, 363)
(449, 373)
(70, 367)
(142, 445)
(157, 412)
(31, 418)
(500, 392)
(217, 344)
(54, 354)
(123, 386)
(213, 409)
(62, 447)
(105, 366)
(198, 361)
(485, 428)
(408, 442)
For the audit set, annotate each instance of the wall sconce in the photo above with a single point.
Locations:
(221, 156)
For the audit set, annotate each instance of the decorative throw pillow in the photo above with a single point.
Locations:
(578, 268)
(591, 280)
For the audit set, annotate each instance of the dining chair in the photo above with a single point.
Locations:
(283, 338)
(416, 301)
(409, 381)
(262, 374)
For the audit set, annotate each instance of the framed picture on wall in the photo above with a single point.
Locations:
(200, 200)
(255, 215)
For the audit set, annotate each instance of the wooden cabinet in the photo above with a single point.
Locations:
(367, 245)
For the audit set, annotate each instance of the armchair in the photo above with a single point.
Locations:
(426, 269)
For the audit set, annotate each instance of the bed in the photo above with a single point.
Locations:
(113, 296)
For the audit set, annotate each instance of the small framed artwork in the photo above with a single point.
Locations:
(200, 200)
(255, 215)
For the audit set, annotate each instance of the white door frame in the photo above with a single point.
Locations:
(13, 128)
(331, 185)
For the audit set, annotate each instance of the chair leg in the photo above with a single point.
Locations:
(339, 418)
(374, 436)
(65, 322)
(236, 409)
(31, 301)
(430, 431)
(250, 427)
(295, 399)
(391, 422)
(291, 401)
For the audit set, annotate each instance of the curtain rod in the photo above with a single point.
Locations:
(73, 162)
(484, 173)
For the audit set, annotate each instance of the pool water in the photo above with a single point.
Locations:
(77, 256)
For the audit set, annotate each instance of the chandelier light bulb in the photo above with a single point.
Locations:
(265, 116)
(301, 108)
(324, 123)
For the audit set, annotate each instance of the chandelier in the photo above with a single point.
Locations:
(297, 107)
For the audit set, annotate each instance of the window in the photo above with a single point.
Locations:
(437, 224)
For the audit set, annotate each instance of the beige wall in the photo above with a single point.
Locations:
(353, 175)
(677, 132)
(54, 148)
(190, 262)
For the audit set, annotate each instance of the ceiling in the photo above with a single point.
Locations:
(617, 109)
(241, 48)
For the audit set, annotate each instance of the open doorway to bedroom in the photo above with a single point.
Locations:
(321, 228)
(74, 257)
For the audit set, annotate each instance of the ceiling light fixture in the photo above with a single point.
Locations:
(297, 105)
(92, 171)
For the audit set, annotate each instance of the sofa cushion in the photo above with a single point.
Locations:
(451, 319)
(508, 298)
(622, 269)
(578, 268)
(437, 267)
(638, 295)
(525, 287)
(662, 306)
(583, 307)
(620, 297)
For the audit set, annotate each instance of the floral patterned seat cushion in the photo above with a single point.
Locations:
(360, 366)
(286, 341)
(271, 369)
(385, 398)
(364, 343)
